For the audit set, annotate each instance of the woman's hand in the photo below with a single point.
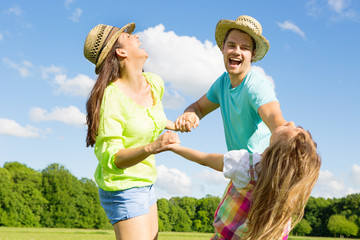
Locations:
(164, 139)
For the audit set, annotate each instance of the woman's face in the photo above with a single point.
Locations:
(131, 44)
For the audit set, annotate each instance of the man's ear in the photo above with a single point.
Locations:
(121, 52)
(253, 55)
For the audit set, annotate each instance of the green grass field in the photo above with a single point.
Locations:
(84, 234)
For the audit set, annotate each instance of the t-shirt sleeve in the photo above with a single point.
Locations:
(261, 92)
(214, 91)
(236, 166)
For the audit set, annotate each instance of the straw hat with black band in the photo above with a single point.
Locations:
(100, 40)
(247, 24)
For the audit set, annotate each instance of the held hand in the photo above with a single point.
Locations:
(164, 139)
(186, 121)
(169, 147)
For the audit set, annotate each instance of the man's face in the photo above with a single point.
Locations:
(237, 52)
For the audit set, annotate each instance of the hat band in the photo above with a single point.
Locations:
(111, 33)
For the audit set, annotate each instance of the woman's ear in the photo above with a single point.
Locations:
(121, 52)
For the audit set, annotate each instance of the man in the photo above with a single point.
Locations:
(249, 107)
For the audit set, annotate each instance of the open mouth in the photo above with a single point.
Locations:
(234, 61)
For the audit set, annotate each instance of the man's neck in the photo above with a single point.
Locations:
(237, 79)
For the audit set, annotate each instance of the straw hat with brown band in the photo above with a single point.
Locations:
(100, 40)
(247, 24)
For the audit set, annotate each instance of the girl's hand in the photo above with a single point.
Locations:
(169, 147)
(163, 140)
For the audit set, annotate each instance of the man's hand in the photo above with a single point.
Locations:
(186, 121)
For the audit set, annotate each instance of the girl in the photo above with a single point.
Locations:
(125, 118)
(267, 192)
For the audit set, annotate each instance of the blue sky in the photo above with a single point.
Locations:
(45, 80)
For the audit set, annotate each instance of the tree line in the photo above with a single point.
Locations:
(55, 198)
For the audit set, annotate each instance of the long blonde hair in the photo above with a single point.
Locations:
(286, 176)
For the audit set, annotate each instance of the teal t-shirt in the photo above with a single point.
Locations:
(125, 124)
(243, 126)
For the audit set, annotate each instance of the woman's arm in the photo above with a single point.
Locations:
(212, 160)
(170, 125)
(128, 157)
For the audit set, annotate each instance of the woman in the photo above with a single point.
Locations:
(125, 118)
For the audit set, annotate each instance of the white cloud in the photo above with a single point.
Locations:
(45, 71)
(1, 37)
(339, 9)
(184, 62)
(22, 68)
(343, 10)
(173, 181)
(70, 115)
(76, 15)
(12, 128)
(80, 85)
(355, 175)
(337, 5)
(172, 99)
(68, 2)
(329, 186)
(213, 177)
(15, 10)
(287, 25)
(262, 71)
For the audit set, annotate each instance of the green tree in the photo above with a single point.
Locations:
(27, 197)
(8, 202)
(61, 190)
(302, 228)
(202, 222)
(163, 215)
(335, 224)
(179, 220)
(51, 198)
(317, 212)
(186, 203)
(92, 215)
(338, 224)
(205, 210)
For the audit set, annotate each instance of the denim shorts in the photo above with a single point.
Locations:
(128, 203)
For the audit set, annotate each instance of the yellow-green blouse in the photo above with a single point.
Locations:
(125, 124)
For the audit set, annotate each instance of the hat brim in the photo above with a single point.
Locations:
(224, 25)
(129, 28)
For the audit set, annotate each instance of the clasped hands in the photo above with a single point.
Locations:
(186, 121)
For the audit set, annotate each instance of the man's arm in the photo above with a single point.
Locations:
(192, 114)
(271, 114)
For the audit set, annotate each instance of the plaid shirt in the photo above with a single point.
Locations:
(232, 212)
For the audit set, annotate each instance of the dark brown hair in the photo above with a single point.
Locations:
(108, 73)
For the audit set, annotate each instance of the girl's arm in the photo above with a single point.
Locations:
(212, 160)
